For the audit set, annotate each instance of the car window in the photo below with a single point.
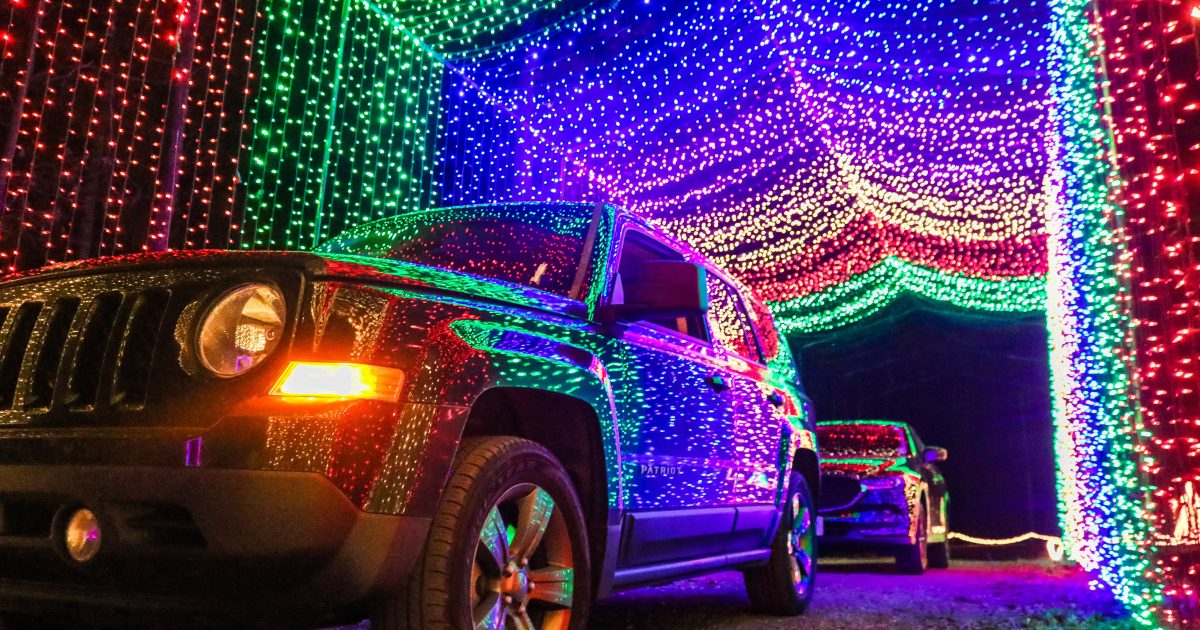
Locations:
(528, 244)
(915, 442)
(764, 325)
(728, 320)
(863, 440)
(637, 250)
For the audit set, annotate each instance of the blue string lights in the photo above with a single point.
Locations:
(807, 147)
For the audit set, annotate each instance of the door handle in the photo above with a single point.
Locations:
(775, 399)
(717, 382)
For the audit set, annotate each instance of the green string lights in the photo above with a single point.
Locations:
(346, 121)
(1103, 511)
(866, 294)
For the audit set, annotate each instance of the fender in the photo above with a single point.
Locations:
(453, 351)
(524, 359)
(798, 443)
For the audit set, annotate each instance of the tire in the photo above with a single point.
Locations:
(785, 585)
(14, 621)
(939, 553)
(914, 559)
(506, 496)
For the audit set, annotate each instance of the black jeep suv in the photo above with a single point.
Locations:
(475, 417)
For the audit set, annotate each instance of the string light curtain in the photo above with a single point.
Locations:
(133, 125)
(1124, 313)
(1153, 67)
(832, 154)
(346, 124)
(835, 155)
(1102, 512)
(90, 98)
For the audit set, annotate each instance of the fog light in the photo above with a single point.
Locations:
(83, 535)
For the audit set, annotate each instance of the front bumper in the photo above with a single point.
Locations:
(837, 538)
(877, 519)
(261, 544)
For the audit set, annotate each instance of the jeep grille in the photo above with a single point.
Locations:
(80, 352)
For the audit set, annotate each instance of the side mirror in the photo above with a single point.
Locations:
(935, 454)
(661, 289)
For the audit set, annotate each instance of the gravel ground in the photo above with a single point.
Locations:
(868, 593)
(860, 594)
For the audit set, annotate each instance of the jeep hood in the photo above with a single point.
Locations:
(318, 266)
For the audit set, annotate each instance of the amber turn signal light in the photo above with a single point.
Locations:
(302, 379)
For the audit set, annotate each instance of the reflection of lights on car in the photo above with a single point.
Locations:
(882, 483)
(82, 536)
(340, 380)
(251, 338)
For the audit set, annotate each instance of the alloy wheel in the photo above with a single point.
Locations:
(801, 544)
(523, 574)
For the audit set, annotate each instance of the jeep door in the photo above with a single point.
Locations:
(675, 427)
(756, 416)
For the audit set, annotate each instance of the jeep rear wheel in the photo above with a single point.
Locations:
(507, 548)
(785, 585)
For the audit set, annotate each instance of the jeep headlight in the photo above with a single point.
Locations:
(241, 329)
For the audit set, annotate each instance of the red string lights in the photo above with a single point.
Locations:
(98, 162)
(1153, 60)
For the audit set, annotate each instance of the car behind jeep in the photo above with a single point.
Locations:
(884, 491)
(475, 417)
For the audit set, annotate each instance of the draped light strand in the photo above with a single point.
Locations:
(1103, 512)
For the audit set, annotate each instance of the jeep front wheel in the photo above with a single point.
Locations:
(507, 548)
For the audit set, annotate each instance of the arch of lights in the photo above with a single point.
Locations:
(832, 154)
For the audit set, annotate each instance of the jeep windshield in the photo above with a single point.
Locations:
(535, 245)
(853, 440)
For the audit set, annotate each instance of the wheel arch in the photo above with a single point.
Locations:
(571, 429)
(808, 465)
